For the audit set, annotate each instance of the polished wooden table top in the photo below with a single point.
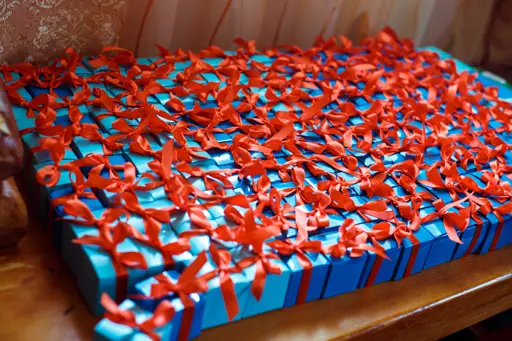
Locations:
(39, 300)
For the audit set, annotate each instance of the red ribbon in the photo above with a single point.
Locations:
(163, 314)
(188, 283)
(222, 259)
(299, 247)
(450, 219)
(108, 240)
(293, 78)
(254, 236)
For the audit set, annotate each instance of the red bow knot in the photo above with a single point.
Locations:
(224, 269)
(162, 315)
(188, 283)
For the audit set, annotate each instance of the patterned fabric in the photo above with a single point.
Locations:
(39, 29)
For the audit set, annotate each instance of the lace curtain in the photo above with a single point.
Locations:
(40, 29)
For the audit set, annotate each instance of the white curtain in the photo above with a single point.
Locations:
(455, 25)
(40, 29)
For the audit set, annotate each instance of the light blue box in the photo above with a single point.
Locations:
(461, 66)
(44, 156)
(82, 147)
(442, 247)
(57, 225)
(19, 112)
(345, 272)
(180, 222)
(6, 74)
(144, 289)
(25, 122)
(377, 269)
(157, 193)
(260, 58)
(335, 220)
(500, 230)
(217, 211)
(419, 251)
(64, 177)
(318, 276)
(276, 286)
(472, 238)
(215, 313)
(107, 330)
(94, 269)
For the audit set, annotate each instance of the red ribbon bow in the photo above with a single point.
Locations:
(353, 240)
(255, 236)
(163, 314)
(450, 219)
(299, 247)
(222, 259)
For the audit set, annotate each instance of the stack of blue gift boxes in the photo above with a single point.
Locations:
(201, 184)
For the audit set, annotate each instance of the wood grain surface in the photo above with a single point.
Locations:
(39, 300)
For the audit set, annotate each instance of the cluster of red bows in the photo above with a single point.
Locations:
(419, 109)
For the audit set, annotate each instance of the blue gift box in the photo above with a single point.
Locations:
(315, 282)
(499, 232)
(24, 122)
(24, 94)
(58, 211)
(217, 211)
(108, 198)
(40, 190)
(414, 254)
(445, 55)
(481, 237)
(221, 157)
(401, 192)
(377, 269)
(345, 272)
(473, 237)
(14, 76)
(43, 156)
(145, 301)
(276, 286)
(19, 113)
(107, 330)
(215, 313)
(154, 194)
(61, 91)
(490, 79)
(442, 246)
(82, 147)
(180, 222)
(94, 269)
(335, 219)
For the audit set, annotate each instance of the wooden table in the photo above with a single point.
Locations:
(39, 300)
